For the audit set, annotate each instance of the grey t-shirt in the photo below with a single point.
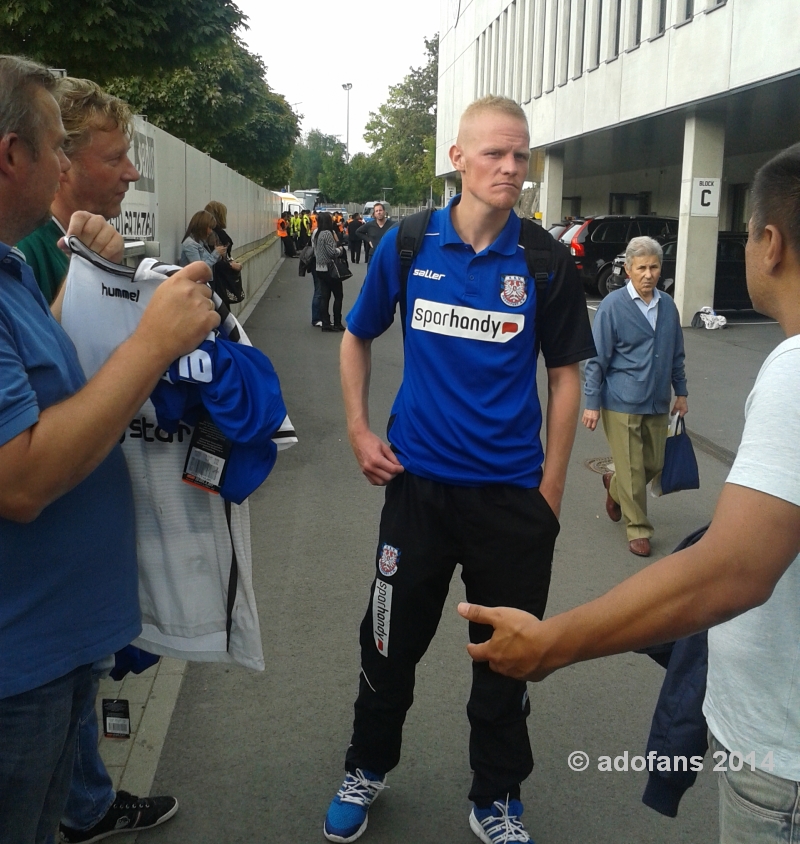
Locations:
(752, 700)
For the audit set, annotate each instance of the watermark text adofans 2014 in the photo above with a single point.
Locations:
(580, 761)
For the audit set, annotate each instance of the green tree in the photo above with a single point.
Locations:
(223, 106)
(310, 155)
(367, 175)
(403, 131)
(100, 39)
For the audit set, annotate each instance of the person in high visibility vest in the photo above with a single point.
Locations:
(294, 229)
(313, 220)
(283, 234)
(305, 230)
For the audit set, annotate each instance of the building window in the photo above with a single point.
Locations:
(540, 18)
(617, 23)
(599, 34)
(526, 22)
(564, 32)
(662, 17)
(688, 9)
(637, 32)
(580, 38)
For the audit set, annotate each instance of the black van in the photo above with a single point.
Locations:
(595, 242)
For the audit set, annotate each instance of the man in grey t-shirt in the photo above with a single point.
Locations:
(743, 575)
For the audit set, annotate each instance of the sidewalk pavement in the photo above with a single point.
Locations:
(721, 369)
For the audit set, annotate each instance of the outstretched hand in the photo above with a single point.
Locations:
(516, 648)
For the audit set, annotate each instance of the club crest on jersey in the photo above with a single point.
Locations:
(514, 291)
(387, 563)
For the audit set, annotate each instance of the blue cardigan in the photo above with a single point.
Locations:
(635, 366)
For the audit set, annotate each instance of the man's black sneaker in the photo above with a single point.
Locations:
(128, 813)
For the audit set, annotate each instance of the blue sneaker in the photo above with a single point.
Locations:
(347, 816)
(499, 824)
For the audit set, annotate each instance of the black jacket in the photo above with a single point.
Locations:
(679, 727)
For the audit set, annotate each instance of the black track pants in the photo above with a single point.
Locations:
(503, 537)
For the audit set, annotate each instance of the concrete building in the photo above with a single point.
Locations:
(635, 106)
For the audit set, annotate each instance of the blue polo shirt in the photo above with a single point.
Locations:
(68, 580)
(468, 411)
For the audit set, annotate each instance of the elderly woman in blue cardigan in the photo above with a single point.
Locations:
(629, 385)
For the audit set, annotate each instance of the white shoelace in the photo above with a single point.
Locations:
(360, 790)
(508, 826)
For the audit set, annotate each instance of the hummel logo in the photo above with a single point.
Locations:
(428, 274)
(115, 292)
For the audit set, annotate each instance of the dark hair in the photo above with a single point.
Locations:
(376, 204)
(199, 225)
(324, 221)
(776, 197)
(19, 79)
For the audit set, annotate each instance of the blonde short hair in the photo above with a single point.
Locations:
(85, 106)
(491, 102)
(219, 211)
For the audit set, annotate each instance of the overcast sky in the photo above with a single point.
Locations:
(312, 47)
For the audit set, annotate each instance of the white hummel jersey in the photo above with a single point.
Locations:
(195, 558)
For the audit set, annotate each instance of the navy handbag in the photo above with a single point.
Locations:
(680, 465)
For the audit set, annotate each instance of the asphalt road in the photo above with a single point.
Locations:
(258, 756)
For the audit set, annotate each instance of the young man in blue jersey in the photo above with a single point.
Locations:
(467, 481)
(68, 575)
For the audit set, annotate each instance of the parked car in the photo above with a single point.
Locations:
(730, 281)
(595, 242)
(558, 229)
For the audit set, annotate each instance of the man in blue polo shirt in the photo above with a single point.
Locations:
(467, 479)
(68, 578)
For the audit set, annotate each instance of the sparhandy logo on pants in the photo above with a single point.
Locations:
(457, 321)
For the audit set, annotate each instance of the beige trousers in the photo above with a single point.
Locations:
(637, 446)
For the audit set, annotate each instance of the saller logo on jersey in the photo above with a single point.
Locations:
(457, 321)
(382, 615)
(429, 274)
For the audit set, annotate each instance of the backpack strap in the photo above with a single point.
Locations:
(410, 237)
(538, 246)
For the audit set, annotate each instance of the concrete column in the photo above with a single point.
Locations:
(450, 189)
(552, 186)
(701, 182)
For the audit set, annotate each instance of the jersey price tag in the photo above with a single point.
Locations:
(116, 718)
(207, 457)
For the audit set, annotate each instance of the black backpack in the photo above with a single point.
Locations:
(537, 243)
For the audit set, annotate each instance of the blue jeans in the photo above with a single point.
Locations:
(316, 301)
(756, 807)
(90, 792)
(38, 730)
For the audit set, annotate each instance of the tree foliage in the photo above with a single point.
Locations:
(99, 39)
(403, 131)
(311, 154)
(223, 106)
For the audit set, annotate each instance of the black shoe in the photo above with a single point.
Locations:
(128, 813)
(328, 327)
(338, 327)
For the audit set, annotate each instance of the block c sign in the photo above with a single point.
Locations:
(705, 197)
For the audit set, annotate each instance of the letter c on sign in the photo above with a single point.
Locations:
(704, 201)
